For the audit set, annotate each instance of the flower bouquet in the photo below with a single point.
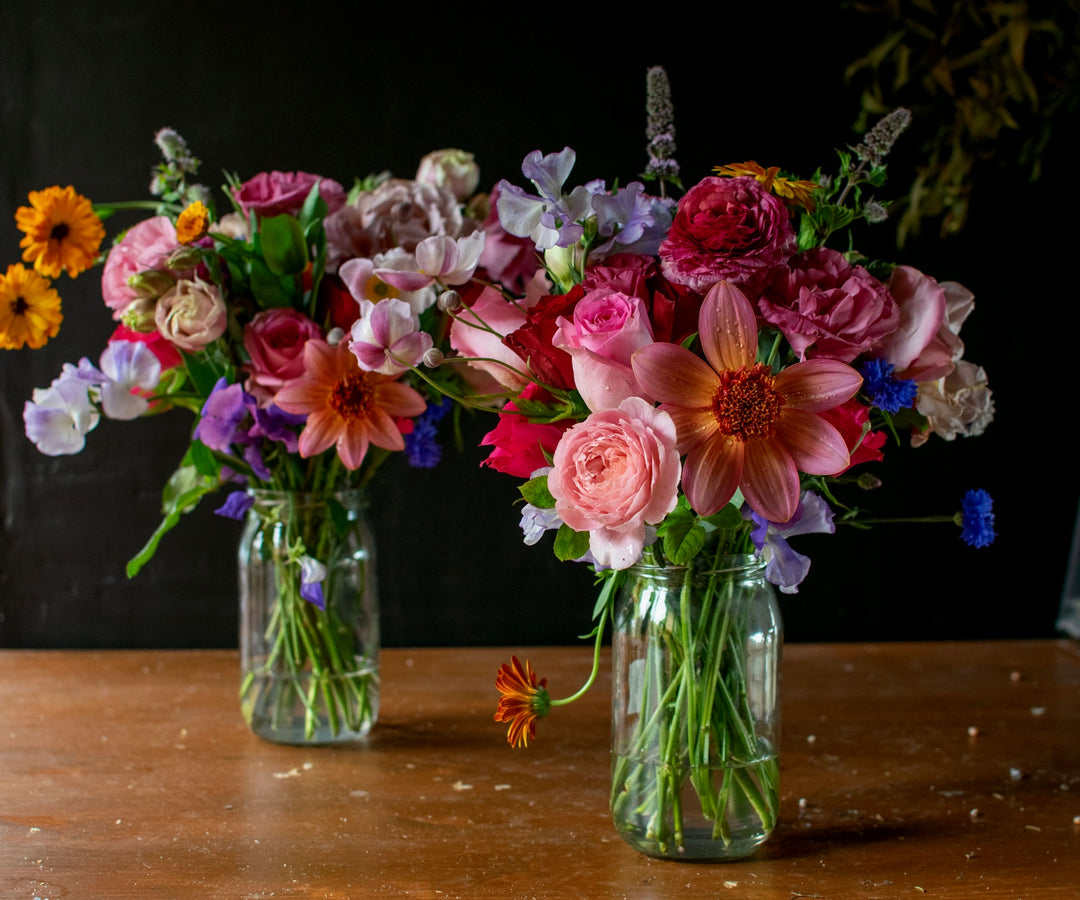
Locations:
(287, 327)
(688, 386)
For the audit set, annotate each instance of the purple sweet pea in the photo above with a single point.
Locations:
(236, 505)
(312, 575)
(222, 414)
(784, 566)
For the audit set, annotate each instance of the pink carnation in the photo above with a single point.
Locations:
(613, 474)
(726, 229)
(828, 308)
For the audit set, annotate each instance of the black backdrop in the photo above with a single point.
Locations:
(344, 93)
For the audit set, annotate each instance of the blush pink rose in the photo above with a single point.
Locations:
(613, 474)
(520, 447)
(191, 315)
(828, 308)
(144, 248)
(607, 327)
(726, 229)
(279, 193)
(275, 339)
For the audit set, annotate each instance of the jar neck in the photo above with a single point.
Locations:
(738, 566)
(351, 499)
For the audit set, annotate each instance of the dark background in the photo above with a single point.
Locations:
(84, 88)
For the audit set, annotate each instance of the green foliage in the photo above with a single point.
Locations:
(535, 491)
(570, 544)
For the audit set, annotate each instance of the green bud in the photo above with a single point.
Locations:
(151, 284)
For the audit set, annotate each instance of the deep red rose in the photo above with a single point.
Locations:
(850, 419)
(533, 340)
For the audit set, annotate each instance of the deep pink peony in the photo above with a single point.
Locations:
(607, 327)
(519, 446)
(613, 474)
(275, 339)
(144, 247)
(726, 229)
(279, 193)
(828, 308)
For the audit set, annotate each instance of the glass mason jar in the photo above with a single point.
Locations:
(309, 618)
(696, 710)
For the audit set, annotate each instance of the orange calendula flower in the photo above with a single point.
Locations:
(29, 309)
(193, 223)
(523, 701)
(346, 406)
(789, 188)
(62, 231)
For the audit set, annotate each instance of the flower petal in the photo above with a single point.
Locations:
(817, 384)
(770, 480)
(728, 328)
(815, 445)
(711, 474)
(672, 374)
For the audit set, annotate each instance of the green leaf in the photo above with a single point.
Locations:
(728, 517)
(314, 208)
(535, 491)
(269, 289)
(182, 494)
(203, 459)
(283, 245)
(683, 540)
(570, 544)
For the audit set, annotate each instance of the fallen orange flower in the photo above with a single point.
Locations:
(523, 701)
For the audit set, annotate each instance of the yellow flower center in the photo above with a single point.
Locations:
(377, 289)
(746, 405)
(353, 396)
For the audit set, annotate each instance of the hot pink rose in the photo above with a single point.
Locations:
(520, 445)
(275, 341)
(144, 247)
(726, 229)
(615, 473)
(828, 308)
(278, 193)
(607, 327)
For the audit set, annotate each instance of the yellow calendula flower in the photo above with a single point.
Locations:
(193, 223)
(789, 188)
(29, 309)
(63, 233)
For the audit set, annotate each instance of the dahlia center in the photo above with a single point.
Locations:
(352, 396)
(746, 405)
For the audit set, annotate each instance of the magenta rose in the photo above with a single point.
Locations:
(279, 193)
(607, 327)
(520, 447)
(144, 248)
(726, 229)
(828, 308)
(613, 474)
(275, 341)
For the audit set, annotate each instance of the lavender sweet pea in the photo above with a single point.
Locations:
(785, 567)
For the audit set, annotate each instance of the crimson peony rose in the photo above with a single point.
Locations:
(828, 308)
(726, 229)
(279, 193)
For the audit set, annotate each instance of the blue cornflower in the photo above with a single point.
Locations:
(887, 392)
(422, 450)
(977, 518)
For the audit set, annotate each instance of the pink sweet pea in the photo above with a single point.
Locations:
(387, 337)
(613, 474)
(607, 327)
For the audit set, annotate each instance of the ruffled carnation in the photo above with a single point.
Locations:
(726, 229)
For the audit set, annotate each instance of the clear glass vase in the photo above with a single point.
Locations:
(309, 648)
(696, 710)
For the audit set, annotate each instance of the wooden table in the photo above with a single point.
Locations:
(951, 770)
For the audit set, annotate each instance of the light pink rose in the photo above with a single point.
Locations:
(453, 169)
(608, 326)
(275, 339)
(828, 308)
(726, 229)
(613, 474)
(191, 315)
(143, 248)
(279, 193)
(478, 331)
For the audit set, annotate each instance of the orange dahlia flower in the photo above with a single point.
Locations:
(345, 405)
(523, 701)
(740, 426)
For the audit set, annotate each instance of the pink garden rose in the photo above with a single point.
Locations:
(607, 327)
(191, 315)
(144, 248)
(828, 308)
(613, 474)
(279, 193)
(275, 339)
(519, 446)
(726, 229)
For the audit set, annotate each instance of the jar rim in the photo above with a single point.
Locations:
(346, 496)
(736, 562)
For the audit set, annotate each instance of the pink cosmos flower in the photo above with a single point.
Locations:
(345, 405)
(726, 229)
(613, 474)
(740, 426)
